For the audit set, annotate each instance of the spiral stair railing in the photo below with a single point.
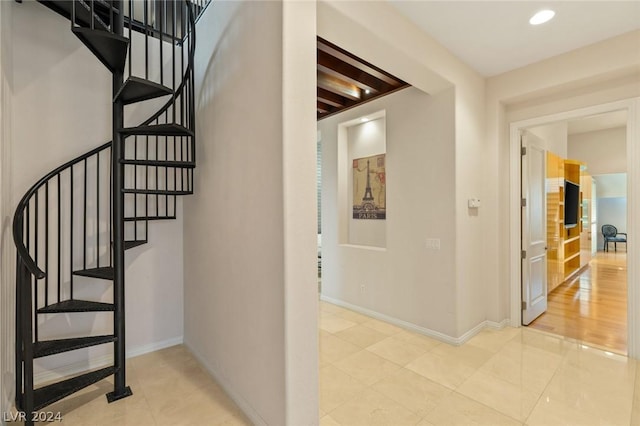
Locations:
(80, 218)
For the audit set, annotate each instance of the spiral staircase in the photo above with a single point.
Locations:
(78, 220)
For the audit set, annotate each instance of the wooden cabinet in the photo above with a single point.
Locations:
(555, 221)
(563, 243)
(572, 171)
(588, 234)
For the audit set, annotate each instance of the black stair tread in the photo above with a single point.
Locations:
(155, 191)
(51, 347)
(104, 272)
(171, 129)
(161, 163)
(75, 305)
(133, 243)
(47, 395)
(137, 89)
(110, 49)
(145, 218)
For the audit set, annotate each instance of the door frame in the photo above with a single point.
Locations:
(632, 106)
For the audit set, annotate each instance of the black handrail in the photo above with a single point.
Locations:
(22, 205)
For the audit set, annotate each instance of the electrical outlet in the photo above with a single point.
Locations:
(362, 288)
(432, 243)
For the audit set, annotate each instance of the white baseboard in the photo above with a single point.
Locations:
(101, 361)
(246, 408)
(498, 325)
(456, 341)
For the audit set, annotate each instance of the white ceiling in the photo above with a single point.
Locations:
(593, 123)
(495, 36)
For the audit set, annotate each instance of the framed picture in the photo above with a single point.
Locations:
(369, 188)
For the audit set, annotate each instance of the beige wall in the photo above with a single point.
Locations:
(250, 284)
(407, 52)
(554, 136)
(300, 225)
(604, 151)
(7, 253)
(405, 280)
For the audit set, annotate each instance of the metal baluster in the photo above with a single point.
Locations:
(35, 241)
(59, 240)
(46, 244)
(173, 60)
(146, 186)
(146, 40)
(27, 338)
(98, 209)
(84, 220)
(110, 233)
(160, 39)
(71, 186)
(19, 349)
(135, 184)
(157, 180)
(111, 15)
(182, 22)
(130, 35)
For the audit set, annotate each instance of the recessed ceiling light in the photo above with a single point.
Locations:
(367, 91)
(542, 17)
(364, 119)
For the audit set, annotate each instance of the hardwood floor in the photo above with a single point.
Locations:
(593, 306)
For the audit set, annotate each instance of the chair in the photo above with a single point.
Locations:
(610, 234)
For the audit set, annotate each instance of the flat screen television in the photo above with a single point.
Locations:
(571, 203)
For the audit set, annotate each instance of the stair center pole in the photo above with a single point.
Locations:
(120, 389)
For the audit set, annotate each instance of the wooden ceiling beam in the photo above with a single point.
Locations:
(345, 81)
(338, 86)
(323, 108)
(331, 98)
(351, 74)
(350, 59)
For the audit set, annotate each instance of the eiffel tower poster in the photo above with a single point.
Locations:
(369, 188)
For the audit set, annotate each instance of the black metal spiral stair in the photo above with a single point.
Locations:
(78, 220)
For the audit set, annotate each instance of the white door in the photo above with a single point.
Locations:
(534, 228)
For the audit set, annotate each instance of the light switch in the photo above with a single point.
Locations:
(474, 203)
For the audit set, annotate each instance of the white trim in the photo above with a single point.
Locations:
(244, 406)
(456, 341)
(632, 106)
(101, 361)
(152, 347)
(633, 212)
(515, 246)
(498, 325)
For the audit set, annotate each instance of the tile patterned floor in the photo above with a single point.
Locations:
(374, 373)
(170, 387)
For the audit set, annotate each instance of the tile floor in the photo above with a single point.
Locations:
(373, 373)
(170, 387)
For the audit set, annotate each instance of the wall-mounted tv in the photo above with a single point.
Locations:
(571, 204)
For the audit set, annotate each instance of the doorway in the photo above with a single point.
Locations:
(584, 281)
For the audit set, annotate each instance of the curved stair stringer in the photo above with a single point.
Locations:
(80, 218)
